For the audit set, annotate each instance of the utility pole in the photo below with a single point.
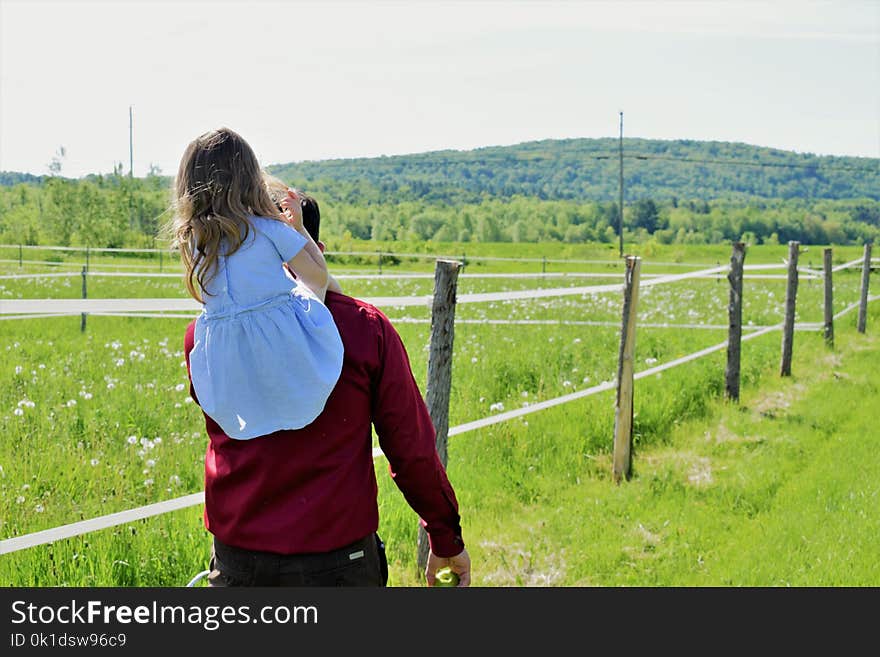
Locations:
(130, 144)
(620, 206)
(130, 168)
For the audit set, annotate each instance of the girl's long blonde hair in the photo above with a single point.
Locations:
(219, 184)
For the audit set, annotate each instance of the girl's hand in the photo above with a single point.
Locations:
(292, 204)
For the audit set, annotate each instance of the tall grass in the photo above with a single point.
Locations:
(100, 421)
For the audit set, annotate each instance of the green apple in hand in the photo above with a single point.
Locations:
(445, 577)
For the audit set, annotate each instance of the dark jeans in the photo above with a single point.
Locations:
(362, 563)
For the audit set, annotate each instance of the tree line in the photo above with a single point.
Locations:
(555, 190)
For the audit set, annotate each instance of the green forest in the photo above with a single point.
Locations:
(675, 192)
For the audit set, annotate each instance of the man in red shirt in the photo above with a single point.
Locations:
(299, 507)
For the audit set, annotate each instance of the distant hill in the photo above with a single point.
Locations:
(588, 170)
(8, 178)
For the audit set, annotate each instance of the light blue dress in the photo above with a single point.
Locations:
(266, 353)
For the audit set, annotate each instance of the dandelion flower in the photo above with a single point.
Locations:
(179, 387)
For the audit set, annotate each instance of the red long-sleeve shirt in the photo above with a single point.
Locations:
(314, 489)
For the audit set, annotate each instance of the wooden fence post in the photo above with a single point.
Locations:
(20, 264)
(863, 302)
(790, 302)
(829, 298)
(623, 414)
(87, 258)
(734, 312)
(82, 325)
(380, 262)
(440, 368)
(160, 260)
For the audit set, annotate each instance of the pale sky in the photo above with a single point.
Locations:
(305, 81)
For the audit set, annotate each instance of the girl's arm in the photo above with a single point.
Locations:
(308, 264)
(333, 285)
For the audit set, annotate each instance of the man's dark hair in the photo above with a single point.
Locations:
(311, 216)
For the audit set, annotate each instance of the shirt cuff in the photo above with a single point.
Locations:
(445, 544)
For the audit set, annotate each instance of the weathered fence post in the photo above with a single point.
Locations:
(379, 254)
(734, 312)
(790, 301)
(440, 367)
(19, 257)
(87, 258)
(863, 301)
(829, 298)
(623, 414)
(82, 325)
(160, 259)
(543, 264)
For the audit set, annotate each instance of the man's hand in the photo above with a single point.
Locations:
(460, 565)
(292, 206)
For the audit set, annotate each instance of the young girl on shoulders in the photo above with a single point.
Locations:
(267, 353)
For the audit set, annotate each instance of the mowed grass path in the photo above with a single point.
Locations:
(780, 489)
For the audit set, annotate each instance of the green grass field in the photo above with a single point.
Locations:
(764, 492)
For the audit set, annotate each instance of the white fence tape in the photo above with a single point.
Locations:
(94, 306)
(96, 524)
